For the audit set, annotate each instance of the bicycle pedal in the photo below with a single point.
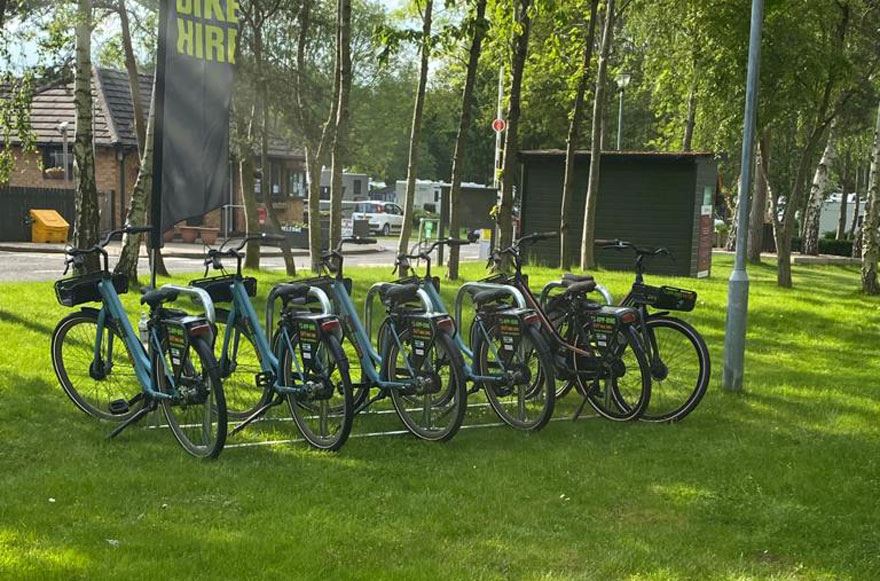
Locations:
(265, 379)
(118, 407)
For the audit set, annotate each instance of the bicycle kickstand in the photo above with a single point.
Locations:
(138, 415)
(261, 411)
(580, 410)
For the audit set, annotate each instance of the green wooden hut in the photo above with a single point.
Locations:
(654, 199)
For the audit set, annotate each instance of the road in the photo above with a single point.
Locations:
(41, 266)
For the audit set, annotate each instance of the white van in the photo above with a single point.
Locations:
(384, 217)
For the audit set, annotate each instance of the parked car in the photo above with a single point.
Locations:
(384, 217)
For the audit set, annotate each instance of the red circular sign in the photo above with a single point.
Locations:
(499, 125)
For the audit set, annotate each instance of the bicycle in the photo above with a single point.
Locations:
(417, 363)
(596, 347)
(677, 354)
(506, 356)
(303, 364)
(171, 363)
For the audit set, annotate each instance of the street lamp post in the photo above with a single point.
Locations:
(623, 80)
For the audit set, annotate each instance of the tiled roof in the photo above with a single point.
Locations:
(53, 105)
(116, 96)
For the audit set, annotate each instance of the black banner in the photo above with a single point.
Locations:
(194, 77)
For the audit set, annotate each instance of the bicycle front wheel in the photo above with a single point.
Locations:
(239, 368)
(323, 409)
(523, 390)
(433, 399)
(196, 412)
(92, 381)
(680, 368)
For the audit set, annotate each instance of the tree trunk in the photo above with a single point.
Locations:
(782, 230)
(589, 233)
(87, 221)
(137, 211)
(511, 141)
(415, 136)
(343, 114)
(247, 183)
(464, 122)
(840, 233)
(265, 168)
(870, 235)
(733, 204)
(818, 190)
(566, 245)
(853, 235)
(758, 210)
(691, 119)
(134, 83)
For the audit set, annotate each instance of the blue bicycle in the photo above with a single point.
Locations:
(302, 363)
(505, 355)
(112, 373)
(416, 362)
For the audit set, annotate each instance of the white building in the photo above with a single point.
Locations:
(830, 215)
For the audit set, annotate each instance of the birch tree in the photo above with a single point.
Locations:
(818, 190)
(343, 114)
(87, 220)
(758, 209)
(566, 245)
(590, 207)
(871, 226)
(478, 24)
(416, 130)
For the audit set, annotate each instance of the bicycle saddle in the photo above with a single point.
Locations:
(490, 296)
(571, 277)
(293, 290)
(155, 297)
(579, 288)
(397, 294)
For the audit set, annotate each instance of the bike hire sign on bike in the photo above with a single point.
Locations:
(198, 41)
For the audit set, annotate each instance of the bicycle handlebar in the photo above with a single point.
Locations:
(77, 254)
(617, 244)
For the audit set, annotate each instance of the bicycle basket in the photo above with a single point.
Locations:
(220, 287)
(665, 297)
(77, 290)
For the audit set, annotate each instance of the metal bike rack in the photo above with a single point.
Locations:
(200, 296)
(371, 299)
(471, 288)
(317, 293)
(601, 289)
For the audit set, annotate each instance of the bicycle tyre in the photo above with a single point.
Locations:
(212, 408)
(127, 389)
(243, 395)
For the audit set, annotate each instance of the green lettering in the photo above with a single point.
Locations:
(184, 6)
(231, 45)
(214, 44)
(200, 44)
(232, 8)
(213, 10)
(185, 36)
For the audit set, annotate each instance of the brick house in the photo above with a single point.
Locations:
(116, 155)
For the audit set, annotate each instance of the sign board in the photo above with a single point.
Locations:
(499, 125)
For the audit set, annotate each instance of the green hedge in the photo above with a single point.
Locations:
(826, 246)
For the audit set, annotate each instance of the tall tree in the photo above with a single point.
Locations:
(87, 221)
(137, 210)
(522, 25)
(343, 114)
(590, 207)
(566, 244)
(415, 136)
(871, 226)
(134, 84)
(818, 190)
(758, 209)
(478, 24)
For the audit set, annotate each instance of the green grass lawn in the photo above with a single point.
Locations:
(779, 482)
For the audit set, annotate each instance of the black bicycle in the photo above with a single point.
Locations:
(677, 354)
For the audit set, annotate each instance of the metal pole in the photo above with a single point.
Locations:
(620, 118)
(498, 115)
(738, 285)
(158, 129)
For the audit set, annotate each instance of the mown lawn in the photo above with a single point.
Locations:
(780, 482)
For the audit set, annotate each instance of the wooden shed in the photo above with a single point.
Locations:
(654, 199)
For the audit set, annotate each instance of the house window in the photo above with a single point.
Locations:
(357, 187)
(53, 163)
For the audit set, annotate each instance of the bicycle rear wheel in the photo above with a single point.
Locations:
(433, 404)
(325, 413)
(617, 384)
(93, 383)
(525, 391)
(196, 413)
(680, 368)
